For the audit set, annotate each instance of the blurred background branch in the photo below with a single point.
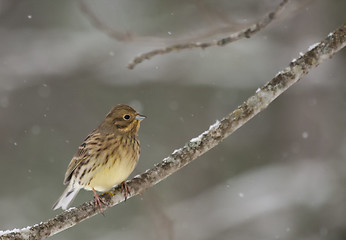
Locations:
(235, 31)
(247, 32)
(209, 14)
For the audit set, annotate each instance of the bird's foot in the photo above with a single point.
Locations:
(98, 201)
(125, 189)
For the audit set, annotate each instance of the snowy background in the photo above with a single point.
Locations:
(281, 176)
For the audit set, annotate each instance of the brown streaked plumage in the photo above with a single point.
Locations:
(106, 158)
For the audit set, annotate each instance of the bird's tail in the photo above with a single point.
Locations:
(66, 198)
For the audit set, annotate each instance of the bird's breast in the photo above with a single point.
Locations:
(115, 166)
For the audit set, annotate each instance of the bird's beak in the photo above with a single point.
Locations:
(140, 117)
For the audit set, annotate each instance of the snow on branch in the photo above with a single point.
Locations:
(196, 146)
(244, 33)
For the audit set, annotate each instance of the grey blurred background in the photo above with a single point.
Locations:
(281, 176)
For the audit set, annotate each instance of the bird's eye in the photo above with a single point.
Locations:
(126, 117)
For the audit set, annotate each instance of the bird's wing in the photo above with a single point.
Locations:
(82, 153)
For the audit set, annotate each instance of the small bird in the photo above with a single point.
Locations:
(106, 158)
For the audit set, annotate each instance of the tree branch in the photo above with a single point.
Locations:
(244, 33)
(196, 146)
(126, 36)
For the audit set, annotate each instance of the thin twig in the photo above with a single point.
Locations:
(196, 146)
(183, 42)
(245, 33)
(126, 36)
(117, 35)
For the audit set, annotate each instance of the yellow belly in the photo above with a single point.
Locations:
(111, 174)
